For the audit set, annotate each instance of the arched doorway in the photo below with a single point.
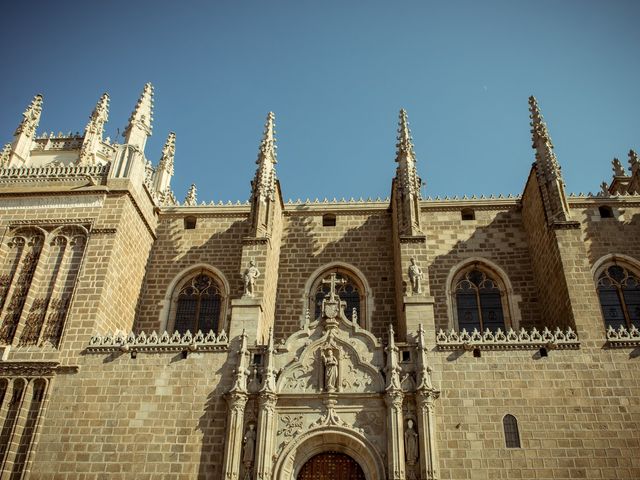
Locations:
(331, 466)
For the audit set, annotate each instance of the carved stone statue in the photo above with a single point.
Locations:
(330, 370)
(415, 276)
(411, 443)
(249, 445)
(249, 276)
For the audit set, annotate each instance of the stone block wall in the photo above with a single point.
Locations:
(360, 238)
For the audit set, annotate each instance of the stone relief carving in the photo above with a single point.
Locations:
(291, 425)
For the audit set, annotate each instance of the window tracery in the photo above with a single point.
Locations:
(479, 299)
(619, 295)
(199, 303)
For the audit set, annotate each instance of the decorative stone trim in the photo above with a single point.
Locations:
(103, 231)
(28, 369)
(623, 337)
(55, 222)
(155, 343)
(509, 340)
(413, 239)
(37, 174)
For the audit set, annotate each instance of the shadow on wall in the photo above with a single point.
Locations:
(502, 242)
(222, 250)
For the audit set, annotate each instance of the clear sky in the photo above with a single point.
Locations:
(336, 73)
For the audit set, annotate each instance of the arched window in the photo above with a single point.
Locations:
(479, 299)
(349, 288)
(619, 294)
(198, 304)
(511, 433)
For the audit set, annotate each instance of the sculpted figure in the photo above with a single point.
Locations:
(415, 276)
(249, 445)
(249, 276)
(330, 371)
(411, 443)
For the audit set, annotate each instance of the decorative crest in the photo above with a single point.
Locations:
(94, 130)
(191, 200)
(618, 169)
(30, 118)
(634, 162)
(5, 156)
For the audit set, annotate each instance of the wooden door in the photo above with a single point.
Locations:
(331, 466)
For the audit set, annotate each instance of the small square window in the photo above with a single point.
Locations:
(190, 223)
(468, 214)
(329, 220)
(406, 356)
(606, 211)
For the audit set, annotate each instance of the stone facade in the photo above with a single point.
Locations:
(136, 341)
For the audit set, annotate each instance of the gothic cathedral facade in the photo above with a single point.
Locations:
(404, 339)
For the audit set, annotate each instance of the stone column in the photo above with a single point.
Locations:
(266, 434)
(395, 434)
(233, 446)
(426, 432)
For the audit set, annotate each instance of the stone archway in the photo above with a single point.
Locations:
(331, 466)
(329, 439)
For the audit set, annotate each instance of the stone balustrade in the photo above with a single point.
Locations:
(154, 343)
(623, 336)
(509, 340)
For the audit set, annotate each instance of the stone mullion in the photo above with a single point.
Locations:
(427, 438)
(34, 287)
(35, 436)
(395, 435)
(11, 290)
(266, 435)
(14, 278)
(58, 285)
(18, 430)
(233, 446)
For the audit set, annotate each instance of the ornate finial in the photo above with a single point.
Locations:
(634, 162)
(269, 380)
(30, 118)
(168, 154)
(406, 173)
(618, 169)
(94, 130)
(5, 156)
(541, 142)
(264, 182)
(142, 114)
(191, 200)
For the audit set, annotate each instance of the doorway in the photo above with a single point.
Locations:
(331, 466)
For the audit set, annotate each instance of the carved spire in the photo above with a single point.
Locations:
(164, 171)
(263, 186)
(139, 127)
(548, 169)
(26, 133)
(407, 174)
(5, 156)
(30, 118)
(424, 383)
(191, 200)
(618, 169)
(240, 383)
(393, 367)
(94, 130)
(269, 381)
(406, 182)
(634, 162)
(264, 182)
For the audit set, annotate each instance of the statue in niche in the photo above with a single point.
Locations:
(249, 446)
(330, 370)
(249, 277)
(411, 444)
(415, 276)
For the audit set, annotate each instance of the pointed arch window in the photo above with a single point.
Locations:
(480, 300)
(198, 304)
(619, 294)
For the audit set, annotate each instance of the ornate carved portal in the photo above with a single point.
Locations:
(331, 466)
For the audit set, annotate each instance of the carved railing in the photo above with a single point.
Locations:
(165, 342)
(623, 337)
(35, 174)
(509, 340)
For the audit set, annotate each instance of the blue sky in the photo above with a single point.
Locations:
(336, 74)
